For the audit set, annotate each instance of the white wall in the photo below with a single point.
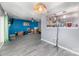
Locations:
(47, 33)
(1, 29)
(68, 37)
(1, 26)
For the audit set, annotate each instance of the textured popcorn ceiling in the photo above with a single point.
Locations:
(25, 9)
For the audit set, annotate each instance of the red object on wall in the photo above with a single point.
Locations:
(69, 24)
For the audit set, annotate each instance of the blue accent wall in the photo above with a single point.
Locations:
(17, 25)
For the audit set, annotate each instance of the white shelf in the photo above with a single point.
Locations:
(69, 27)
(63, 27)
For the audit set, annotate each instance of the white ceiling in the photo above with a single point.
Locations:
(25, 9)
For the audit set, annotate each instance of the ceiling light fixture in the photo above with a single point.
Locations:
(40, 8)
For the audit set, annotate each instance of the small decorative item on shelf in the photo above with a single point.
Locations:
(69, 24)
(62, 25)
(76, 25)
(51, 22)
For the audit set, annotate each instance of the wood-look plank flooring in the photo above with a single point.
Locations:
(31, 45)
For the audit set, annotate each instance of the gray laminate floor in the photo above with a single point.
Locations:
(31, 45)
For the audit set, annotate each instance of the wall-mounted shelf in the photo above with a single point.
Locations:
(63, 27)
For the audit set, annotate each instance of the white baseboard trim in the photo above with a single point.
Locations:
(74, 52)
(1, 44)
